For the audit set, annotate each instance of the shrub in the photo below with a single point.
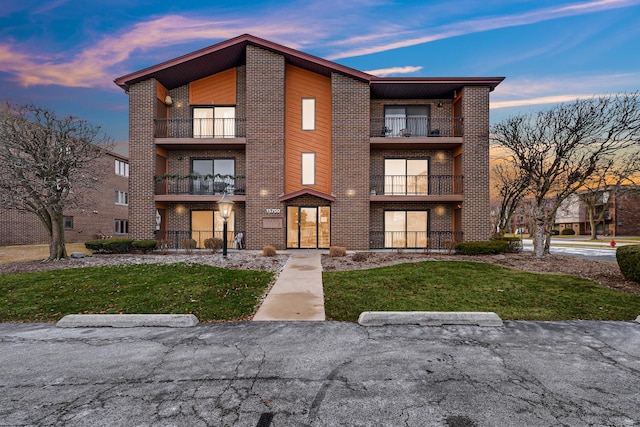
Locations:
(568, 232)
(163, 245)
(482, 248)
(514, 244)
(628, 258)
(215, 244)
(144, 245)
(449, 246)
(110, 246)
(268, 251)
(555, 232)
(337, 251)
(188, 245)
(360, 256)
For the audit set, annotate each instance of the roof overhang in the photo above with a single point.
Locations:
(305, 192)
(231, 53)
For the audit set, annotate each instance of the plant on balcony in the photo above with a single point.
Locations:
(221, 177)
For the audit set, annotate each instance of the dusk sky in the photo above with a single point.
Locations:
(64, 55)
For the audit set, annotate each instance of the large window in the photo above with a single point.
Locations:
(406, 229)
(406, 120)
(214, 122)
(213, 175)
(308, 168)
(209, 224)
(406, 176)
(68, 223)
(122, 168)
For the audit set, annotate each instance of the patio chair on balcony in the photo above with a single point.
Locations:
(405, 132)
(219, 187)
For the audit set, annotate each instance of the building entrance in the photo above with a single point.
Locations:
(308, 227)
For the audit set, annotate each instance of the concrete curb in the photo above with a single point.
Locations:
(429, 318)
(127, 320)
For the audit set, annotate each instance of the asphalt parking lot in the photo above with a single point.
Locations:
(322, 374)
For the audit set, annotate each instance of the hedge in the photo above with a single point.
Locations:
(482, 248)
(628, 258)
(568, 232)
(110, 246)
(145, 245)
(514, 244)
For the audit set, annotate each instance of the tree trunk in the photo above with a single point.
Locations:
(57, 249)
(539, 238)
(593, 224)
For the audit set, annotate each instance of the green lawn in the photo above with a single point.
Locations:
(470, 286)
(210, 293)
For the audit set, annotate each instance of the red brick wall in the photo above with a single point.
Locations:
(475, 163)
(265, 108)
(350, 163)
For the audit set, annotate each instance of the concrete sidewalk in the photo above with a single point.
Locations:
(297, 293)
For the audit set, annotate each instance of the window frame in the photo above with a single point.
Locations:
(214, 128)
(406, 228)
(308, 114)
(405, 182)
(119, 225)
(68, 223)
(121, 198)
(304, 171)
(121, 168)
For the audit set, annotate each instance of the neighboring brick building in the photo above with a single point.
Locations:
(105, 211)
(622, 217)
(312, 153)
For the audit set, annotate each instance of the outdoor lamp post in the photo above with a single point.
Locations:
(225, 205)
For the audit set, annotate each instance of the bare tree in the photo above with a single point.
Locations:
(559, 149)
(511, 184)
(47, 164)
(610, 179)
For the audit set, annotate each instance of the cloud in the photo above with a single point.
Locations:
(481, 25)
(383, 72)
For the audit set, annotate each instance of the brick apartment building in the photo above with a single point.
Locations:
(313, 154)
(622, 217)
(105, 212)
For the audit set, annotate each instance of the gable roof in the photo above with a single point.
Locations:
(231, 53)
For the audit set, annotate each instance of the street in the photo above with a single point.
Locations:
(322, 374)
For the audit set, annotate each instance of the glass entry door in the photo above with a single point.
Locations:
(308, 227)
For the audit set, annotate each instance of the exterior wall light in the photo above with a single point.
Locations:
(168, 100)
(225, 204)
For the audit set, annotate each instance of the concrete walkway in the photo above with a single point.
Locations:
(297, 294)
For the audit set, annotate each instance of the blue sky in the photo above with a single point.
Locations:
(64, 55)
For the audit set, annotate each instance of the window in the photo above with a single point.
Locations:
(122, 168)
(406, 120)
(308, 114)
(213, 175)
(406, 176)
(406, 229)
(308, 168)
(68, 223)
(214, 122)
(122, 226)
(122, 198)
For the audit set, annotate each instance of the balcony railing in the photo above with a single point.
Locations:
(414, 239)
(416, 127)
(200, 128)
(414, 185)
(199, 185)
(174, 239)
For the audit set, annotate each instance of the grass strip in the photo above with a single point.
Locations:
(210, 293)
(470, 286)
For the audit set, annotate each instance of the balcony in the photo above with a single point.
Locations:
(416, 127)
(417, 188)
(194, 187)
(200, 128)
(426, 240)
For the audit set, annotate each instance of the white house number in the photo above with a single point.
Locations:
(273, 211)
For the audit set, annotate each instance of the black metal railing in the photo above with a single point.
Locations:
(412, 185)
(173, 239)
(416, 127)
(200, 128)
(199, 185)
(427, 240)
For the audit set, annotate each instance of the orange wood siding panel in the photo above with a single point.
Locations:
(217, 89)
(161, 91)
(301, 84)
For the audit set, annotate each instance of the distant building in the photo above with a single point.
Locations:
(622, 218)
(107, 213)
